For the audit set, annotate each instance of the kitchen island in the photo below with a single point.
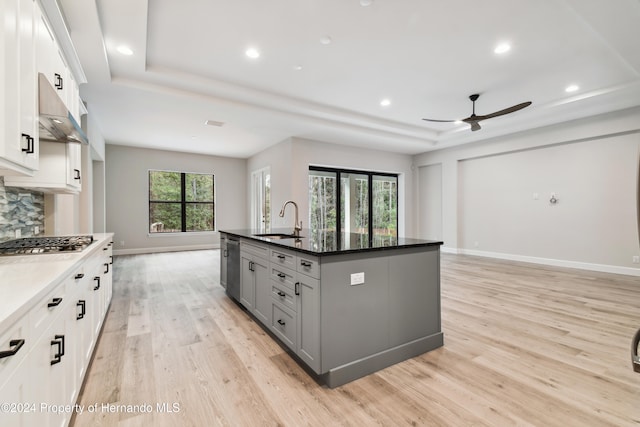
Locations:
(344, 305)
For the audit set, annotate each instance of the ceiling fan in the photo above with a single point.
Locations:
(473, 119)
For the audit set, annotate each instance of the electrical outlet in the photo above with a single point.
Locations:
(36, 230)
(636, 259)
(18, 233)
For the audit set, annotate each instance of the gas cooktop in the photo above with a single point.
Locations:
(43, 245)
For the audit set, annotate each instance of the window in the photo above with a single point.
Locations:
(364, 203)
(181, 202)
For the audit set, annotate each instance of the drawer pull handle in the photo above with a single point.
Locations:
(110, 259)
(54, 302)
(282, 294)
(281, 322)
(305, 264)
(76, 174)
(79, 276)
(58, 81)
(281, 257)
(106, 264)
(282, 275)
(59, 342)
(15, 345)
(297, 288)
(30, 141)
(97, 279)
(83, 306)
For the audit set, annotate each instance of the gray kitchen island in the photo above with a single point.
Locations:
(343, 305)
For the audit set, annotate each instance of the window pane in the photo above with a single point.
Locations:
(322, 204)
(198, 187)
(385, 206)
(200, 217)
(354, 212)
(164, 217)
(164, 186)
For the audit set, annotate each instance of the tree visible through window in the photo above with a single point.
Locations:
(181, 202)
(360, 202)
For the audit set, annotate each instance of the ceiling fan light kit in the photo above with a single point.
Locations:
(474, 119)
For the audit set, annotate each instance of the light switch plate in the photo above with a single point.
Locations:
(357, 278)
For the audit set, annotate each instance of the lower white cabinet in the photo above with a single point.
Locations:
(45, 354)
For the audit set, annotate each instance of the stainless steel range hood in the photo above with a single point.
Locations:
(56, 122)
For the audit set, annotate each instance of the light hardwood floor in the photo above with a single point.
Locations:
(525, 345)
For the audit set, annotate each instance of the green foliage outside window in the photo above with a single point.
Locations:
(180, 202)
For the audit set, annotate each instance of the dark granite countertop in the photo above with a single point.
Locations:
(333, 243)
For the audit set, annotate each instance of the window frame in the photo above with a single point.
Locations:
(370, 177)
(183, 202)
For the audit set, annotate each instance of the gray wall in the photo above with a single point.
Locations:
(127, 197)
(488, 194)
(289, 162)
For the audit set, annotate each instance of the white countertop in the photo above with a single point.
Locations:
(24, 279)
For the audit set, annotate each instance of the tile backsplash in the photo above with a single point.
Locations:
(20, 209)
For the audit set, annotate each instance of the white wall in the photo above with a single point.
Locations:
(290, 161)
(128, 203)
(592, 165)
(430, 205)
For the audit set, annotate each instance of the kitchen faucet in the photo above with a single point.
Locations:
(297, 226)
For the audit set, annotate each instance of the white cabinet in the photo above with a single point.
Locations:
(52, 64)
(60, 169)
(18, 104)
(45, 354)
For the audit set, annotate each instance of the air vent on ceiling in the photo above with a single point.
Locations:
(214, 123)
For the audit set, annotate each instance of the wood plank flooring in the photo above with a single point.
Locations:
(525, 345)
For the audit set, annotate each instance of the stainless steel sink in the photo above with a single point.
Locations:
(278, 236)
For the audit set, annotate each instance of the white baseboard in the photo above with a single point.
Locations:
(137, 251)
(549, 261)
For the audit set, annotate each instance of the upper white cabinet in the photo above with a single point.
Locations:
(18, 74)
(60, 169)
(51, 63)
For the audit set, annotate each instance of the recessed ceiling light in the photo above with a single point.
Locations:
(366, 2)
(125, 50)
(502, 48)
(214, 123)
(385, 102)
(252, 53)
(571, 88)
(325, 40)
(297, 67)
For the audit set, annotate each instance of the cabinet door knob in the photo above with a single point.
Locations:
(30, 141)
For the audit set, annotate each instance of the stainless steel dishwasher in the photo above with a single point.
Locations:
(233, 268)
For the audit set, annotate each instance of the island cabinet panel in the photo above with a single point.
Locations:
(255, 283)
(355, 318)
(414, 295)
(308, 307)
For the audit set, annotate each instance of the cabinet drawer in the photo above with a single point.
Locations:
(283, 295)
(309, 266)
(283, 259)
(283, 276)
(284, 325)
(14, 340)
(254, 248)
(47, 309)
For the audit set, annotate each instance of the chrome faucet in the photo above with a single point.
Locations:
(297, 226)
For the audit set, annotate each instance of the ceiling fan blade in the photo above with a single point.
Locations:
(440, 121)
(503, 112)
(475, 126)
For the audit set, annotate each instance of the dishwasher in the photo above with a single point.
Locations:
(233, 268)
